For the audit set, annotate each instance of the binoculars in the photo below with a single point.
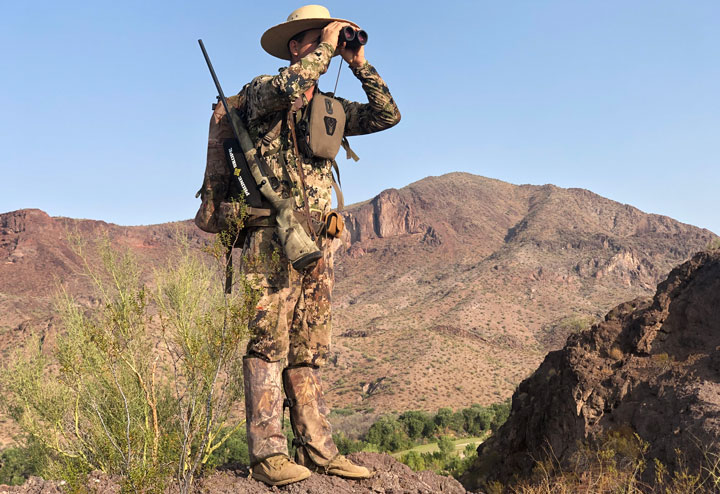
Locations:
(354, 39)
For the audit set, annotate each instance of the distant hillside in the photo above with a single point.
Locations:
(454, 288)
(451, 290)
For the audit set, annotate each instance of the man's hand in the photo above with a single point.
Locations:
(354, 58)
(331, 34)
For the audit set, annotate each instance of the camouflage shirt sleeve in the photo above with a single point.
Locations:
(379, 113)
(270, 94)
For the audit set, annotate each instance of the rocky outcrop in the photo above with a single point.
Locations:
(18, 221)
(387, 215)
(652, 367)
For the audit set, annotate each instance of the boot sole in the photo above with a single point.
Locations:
(262, 478)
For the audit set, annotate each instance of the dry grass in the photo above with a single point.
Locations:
(618, 466)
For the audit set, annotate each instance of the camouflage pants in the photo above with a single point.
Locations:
(293, 320)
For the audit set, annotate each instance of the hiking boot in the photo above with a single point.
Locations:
(342, 467)
(279, 470)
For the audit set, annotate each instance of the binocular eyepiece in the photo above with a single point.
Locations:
(354, 39)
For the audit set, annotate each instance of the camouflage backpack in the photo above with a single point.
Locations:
(220, 190)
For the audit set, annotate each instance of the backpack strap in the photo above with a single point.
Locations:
(298, 165)
(273, 133)
(337, 186)
(349, 152)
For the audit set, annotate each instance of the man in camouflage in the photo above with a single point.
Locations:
(292, 330)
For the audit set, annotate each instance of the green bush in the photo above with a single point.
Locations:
(18, 464)
(116, 397)
(233, 451)
(346, 445)
(443, 418)
(501, 413)
(414, 460)
(446, 447)
(388, 434)
(477, 419)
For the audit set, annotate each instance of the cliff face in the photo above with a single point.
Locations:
(652, 367)
(387, 215)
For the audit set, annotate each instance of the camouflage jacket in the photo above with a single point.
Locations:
(269, 98)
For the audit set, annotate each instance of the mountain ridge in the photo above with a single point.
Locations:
(451, 290)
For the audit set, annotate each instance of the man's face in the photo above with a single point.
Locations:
(306, 45)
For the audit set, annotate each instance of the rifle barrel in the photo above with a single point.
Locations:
(217, 83)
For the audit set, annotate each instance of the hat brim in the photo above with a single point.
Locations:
(275, 40)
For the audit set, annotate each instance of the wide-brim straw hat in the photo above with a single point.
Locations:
(275, 40)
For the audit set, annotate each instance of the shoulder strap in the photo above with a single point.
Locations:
(337, 187)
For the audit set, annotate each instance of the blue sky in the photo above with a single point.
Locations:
(104, 105)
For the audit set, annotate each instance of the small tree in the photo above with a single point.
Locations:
(414, 460)
(203, 329)
(446, 447)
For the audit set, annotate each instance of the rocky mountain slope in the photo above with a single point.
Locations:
(450, 292)
(651, 368)
(454, 288)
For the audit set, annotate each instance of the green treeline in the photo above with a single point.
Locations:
(391, 433)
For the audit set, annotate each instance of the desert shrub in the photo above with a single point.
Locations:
(105, 408)
(19, 463)
(233, 451)
(354, 425)
(117, 397)
(414, 460)
(203, 329)
(346, 445)
(615, 464)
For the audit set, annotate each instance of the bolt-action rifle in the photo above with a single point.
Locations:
(299, 248)
(237, 161)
